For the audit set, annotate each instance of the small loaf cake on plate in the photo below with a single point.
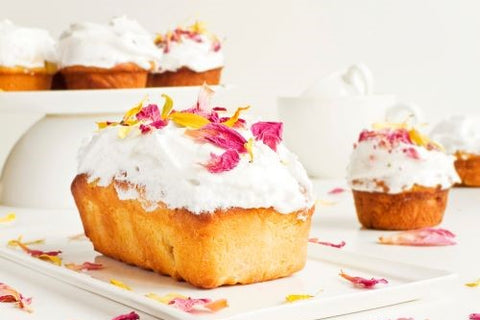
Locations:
(400, 179)
(197, 194)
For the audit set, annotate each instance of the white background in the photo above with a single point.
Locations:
(425, 51)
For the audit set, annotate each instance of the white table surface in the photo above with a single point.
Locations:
(331, 223)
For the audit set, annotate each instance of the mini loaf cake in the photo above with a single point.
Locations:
(400, 179)
(191, 56)
(117, 55)
(27, 58)
(197, 194)
(460, 135)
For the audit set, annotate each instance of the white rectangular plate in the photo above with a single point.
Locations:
(335, 296)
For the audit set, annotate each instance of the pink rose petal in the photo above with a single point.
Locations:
(221, 136)
(420, 237)
(149, 113)
(336, 191)
(225, 162)
(329, 244)
(412, 153)
(129, 316)
(363, 282)
(474, 316)
(391, 136)
(270, 133)
(188, 304)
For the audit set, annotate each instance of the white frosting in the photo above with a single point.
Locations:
(356, 80)
(197, 56)
(105, 46)
(167, 164)
(399, 172)
(25, 47)
(458, 133)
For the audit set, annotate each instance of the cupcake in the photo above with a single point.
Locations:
(400, 179)
(461, 137)
(27, 58)
(117, 55)
(196, 194)
(191, 56)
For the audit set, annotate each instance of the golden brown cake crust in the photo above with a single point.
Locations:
(207, 250)
(125, 75)
(414, 209)
(468, 168)
(184, 77)
(24, 79)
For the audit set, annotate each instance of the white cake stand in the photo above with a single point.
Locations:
(42, 164)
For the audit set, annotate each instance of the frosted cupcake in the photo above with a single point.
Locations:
(27, 58)
(400, 179)
(191, 56)
(461, 137)
(117, 55)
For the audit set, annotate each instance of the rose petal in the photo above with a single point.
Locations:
(473, 284)
(336, 191)
(51, 256)
(204, 97)
(149, 113)
(9, 217)
(411, 153)
(10, 295)
(188, 304)
(167, 106)
(270, 133)
(296, 297)
(216, 305)
(474, 316)
(166, 298)
(220, 136)
(249, 146)
(339, 245)
(189, 120)
(363, 282)
(420, 237)
(232, 121)
(225, 162)
(129, 316)
(88, 266)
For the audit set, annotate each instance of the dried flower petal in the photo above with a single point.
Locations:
(362, 282)
(474, 316)
(270, 133)
(10, 295)
(86, 266)
(217, 305)
(225, 162)
(411, 153)
(339, 245)
(149, 113)
(295, 297)
(420, 140)
(473, 284)
(188, 304)
(249, 146)
(420, 237)
(167, 106)
(120, 284)
(131, 114)
(336, 191)
(9, 217)
(220, 136)
(104, 124)
(51, 256)
(204, 97)
(166, 298)
(129, 316)
(189, 120)
(232, 121)
(78, 237)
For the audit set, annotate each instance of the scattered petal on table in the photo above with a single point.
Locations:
(363, 282)
(86, 266)
(473, 284)
(420, 237)
(217, 305)
(329, 244)
(78, 237)
(166, 298)
(188, 304)
(296, 297)
(129, 316)
(336, 191)
(50, 256)
(9, 217)
(120, 284)
(10, 295)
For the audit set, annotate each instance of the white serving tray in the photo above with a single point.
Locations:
(256, 301)
(100, 101)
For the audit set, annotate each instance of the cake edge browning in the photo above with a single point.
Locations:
(468, 168)
(184, 77)
(208, 250)
(413, 209)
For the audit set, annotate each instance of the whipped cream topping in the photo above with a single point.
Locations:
(194, 49)
(25, 47)
(105, 46)
(387, 161)
(458, 133)
(167, 165)
(355, 80)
